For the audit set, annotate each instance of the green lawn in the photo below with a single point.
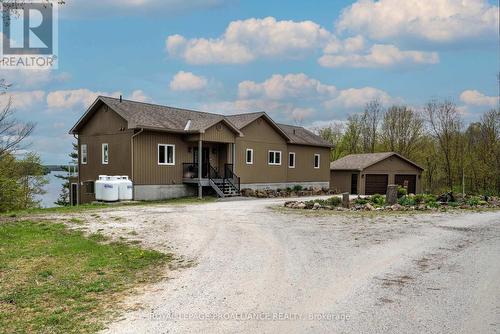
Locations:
(95, 206)
(54, 280)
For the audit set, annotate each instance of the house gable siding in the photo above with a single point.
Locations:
(105, 126)
(260, 136)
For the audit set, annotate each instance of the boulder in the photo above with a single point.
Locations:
(370, 207)
(396, 207)
(316, 206)
(301, 205)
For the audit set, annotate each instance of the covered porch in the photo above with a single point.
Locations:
(213, 165)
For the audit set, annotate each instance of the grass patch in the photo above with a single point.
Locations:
(55, 280)
(96, 206)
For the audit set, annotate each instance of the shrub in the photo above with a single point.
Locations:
(288, 189)
(377, 199)
(402, 191)
(419, 198)
(334, 201)
(454, 204)
(407, 201)
(297, 187)
(473, 201)
(361, 201)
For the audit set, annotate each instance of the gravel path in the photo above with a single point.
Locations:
(256, 270)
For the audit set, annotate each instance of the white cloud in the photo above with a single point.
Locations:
(22, 100)
(245, 40)
(139, 96)
(67, 99)
(435, 21)
(379, 55)
(359, 97)
(288, 86)
(24, 78)
(476, 98)
(187, 81)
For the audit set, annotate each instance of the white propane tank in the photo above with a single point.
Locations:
(110, 189)
(99, 187)
(125, 189)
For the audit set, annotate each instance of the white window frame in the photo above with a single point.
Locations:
(251, 156)
(294, 156)
(274, 154)
(319, 161)
(104, 145)
(82, 155)
(166, 163)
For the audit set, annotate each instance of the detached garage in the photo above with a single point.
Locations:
(369, 174)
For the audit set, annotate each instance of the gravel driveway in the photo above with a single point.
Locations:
(251, 269)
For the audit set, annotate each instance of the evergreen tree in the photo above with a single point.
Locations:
(64, 195)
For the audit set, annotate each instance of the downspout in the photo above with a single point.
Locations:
(132, 156)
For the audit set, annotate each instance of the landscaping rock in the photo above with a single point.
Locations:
(301, 205)
(370, 207)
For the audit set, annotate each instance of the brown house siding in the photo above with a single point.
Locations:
(146, 168)
(261, 137)
(304, 164)
(219, 133)
(340, 181)
(105, 127)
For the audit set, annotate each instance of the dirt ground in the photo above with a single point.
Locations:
(245, 267)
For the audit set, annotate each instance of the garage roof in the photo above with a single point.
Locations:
(359, 162)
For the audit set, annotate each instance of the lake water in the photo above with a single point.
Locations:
(53, 189)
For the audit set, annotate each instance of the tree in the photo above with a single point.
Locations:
(333, 134)
(402, 130)
(444, 123)
(12, 131)
(64, 199)
(20, 182)
(370, 122)
(352, 137)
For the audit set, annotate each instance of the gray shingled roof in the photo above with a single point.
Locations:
(153, 116)
(362, 161)
(242, 120)
(139, 114)
(299, 135)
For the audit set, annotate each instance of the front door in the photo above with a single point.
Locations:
(74, 194)
(354, 184)
(205, 160)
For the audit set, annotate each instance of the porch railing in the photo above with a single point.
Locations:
(231, 176)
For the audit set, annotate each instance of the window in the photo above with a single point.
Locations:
(105, 154)
(316, 161)
(89, 187)
(274, 158)
(249, 156)
(166, 154)
(83, 154)
(291, 160)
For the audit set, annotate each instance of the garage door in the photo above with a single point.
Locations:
(409, 181)
(376, 184)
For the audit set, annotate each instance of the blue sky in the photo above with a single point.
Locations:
(307, 63)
